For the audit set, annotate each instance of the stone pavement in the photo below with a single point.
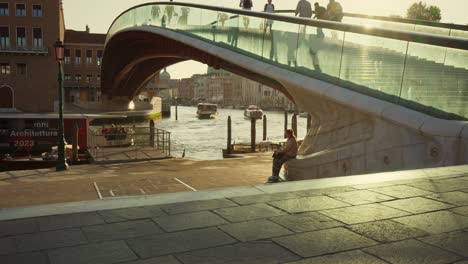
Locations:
(418, 216)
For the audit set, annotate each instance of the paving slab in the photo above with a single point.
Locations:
(55, 222)
(460, 210)
(255, 230)
(248, 212)
(49, 240)
(7, 245)
(17, 227)
(387, 231)
(417, 205)
(189, 221)
(258, 252)
(132, 213)
(363, 213)
(412, 251)
(401, 191)
(304, 222)
(26, 258)
(263, 198)
(306, 204)
(438, 186)
(455, 198)
(165, 244)
(100, 253)
(322, 242)
(350, 257)
(456, 242)
(361, 197)
(187, 207)
(158, 260)
(121, 230)
(435, 222)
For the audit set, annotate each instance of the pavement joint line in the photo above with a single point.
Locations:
(96, 187)
(186, 185)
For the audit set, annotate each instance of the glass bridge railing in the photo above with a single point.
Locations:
(423, 72)
(397, 23)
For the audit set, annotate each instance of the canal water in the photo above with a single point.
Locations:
(205, 139)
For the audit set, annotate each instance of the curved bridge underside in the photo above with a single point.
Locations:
(376, 103)
(132, 58)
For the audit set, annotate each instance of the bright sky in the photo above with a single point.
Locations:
(99, 14)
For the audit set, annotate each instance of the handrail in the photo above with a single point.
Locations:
(424, 38)
(396, 19)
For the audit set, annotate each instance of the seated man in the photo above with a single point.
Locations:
(289, 151)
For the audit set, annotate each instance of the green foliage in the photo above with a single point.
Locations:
(423, 12)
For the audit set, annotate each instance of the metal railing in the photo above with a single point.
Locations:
(424, 72)
(134, 144)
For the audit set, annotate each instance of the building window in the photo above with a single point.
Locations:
(89, 77)
(67, 77)
(99, 57)
(5, 69)
(77, 57)
(98, 77)
(20, 69)
(78, 77)
(4, 9)
(37, 38)
(21, 38)
(89, 56)
(67, 56)
(37, 11)
(4, 38)
(20, 10)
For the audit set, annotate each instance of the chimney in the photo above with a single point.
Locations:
(87, 29)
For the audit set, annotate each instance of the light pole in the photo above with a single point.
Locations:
(61, 160)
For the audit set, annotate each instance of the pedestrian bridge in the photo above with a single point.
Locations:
(382, 98)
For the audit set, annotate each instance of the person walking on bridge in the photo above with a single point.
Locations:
(269, 8)
(320, 13)
(334, 11)
(246, 5)
(303, 9)
(288, 152)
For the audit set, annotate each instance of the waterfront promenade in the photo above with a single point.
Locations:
(418, 216)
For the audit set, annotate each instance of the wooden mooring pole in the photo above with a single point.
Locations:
(264, 127)
(285, 122)
(229, 135)
(309, 122)
(294, 123)
(151, 131)
(253, 133)
(176, 113)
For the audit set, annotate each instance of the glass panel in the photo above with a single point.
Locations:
(423, 84)
(375, 63)
(251, 34)
(280, 45)
(319, 52)
(432, 30)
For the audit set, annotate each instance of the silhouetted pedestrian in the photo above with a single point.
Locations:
(334, 11)
(320, 13)
(269, 8)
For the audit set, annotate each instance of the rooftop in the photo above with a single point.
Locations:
(84, 37)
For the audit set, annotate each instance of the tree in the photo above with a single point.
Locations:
(423, 12)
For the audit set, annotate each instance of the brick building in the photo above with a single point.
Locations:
(82, 66)
(28, 70)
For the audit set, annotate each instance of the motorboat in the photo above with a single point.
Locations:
(253, 112)
(206, 110)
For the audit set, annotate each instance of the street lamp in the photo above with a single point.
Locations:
(61, 160)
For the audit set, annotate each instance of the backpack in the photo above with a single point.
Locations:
(247, 4)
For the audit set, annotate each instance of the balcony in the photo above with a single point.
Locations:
(24, 50)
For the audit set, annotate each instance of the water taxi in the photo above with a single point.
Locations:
(254, 112)
(207, 111)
